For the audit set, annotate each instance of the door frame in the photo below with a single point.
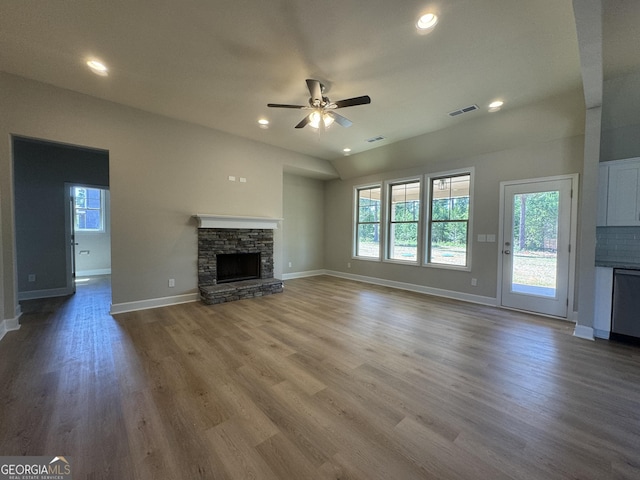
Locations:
(571, 314)
(69, 232)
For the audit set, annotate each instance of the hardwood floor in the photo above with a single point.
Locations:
(331, 379)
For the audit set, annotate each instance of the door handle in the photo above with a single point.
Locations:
(506, 252)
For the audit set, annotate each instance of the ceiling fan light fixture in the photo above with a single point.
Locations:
(427, 22)
(315, 118)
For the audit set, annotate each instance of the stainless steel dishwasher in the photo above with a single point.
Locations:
(625, 315)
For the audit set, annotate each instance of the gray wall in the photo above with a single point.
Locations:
(162, 171)
(563, 156)
(303, 224)
(2, 309)
(40, 172)
(620, 118)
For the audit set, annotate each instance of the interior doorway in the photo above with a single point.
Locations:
(537, 260)
(43, 172)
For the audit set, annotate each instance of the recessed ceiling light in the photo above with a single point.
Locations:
(263, 123)
(427, 21)
(98, 68)
(346, 150)
(496, 105)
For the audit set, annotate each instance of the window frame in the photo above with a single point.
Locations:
(356, 222)
(101, 210)
(389, 222)
(428, 178)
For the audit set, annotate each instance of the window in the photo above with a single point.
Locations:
(88, 209)
(404, 214)
(367, 242)
(448, 232)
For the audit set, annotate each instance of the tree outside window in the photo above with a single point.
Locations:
(404, 213)
(449, 220)
(368, 222)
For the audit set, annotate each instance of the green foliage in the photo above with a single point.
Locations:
(368, 211)
(535, 221)
(405, 234)
(449, 221)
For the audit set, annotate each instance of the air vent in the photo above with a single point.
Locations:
(462, 110)
(375, 139)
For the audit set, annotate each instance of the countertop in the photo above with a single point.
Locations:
(630, 266)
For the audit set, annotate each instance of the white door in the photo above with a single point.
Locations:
(536, 246)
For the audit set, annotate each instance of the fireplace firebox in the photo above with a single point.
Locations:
(235, 267)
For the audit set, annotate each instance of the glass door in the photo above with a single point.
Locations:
(536, 246)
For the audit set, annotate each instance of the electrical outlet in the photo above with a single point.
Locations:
(474, 282)
(172, 282)
(289, 264)
(32, 277)
(348, 264)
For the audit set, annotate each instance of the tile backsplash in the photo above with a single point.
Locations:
(618, 246)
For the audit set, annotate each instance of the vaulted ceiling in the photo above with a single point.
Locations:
(218, 63)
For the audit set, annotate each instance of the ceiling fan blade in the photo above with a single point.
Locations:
(284, 105)
(304, 121)
(314, 89)
(352, 102)
(339, 119)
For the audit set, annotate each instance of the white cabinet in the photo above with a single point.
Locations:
(619, 193)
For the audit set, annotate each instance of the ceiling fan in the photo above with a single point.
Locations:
(323, 113)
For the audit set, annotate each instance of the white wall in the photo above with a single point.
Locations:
(162, 171)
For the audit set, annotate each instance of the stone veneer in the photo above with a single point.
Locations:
(215, 241)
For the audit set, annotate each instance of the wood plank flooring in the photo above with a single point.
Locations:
(331, 379)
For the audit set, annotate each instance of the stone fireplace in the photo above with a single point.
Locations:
(235, 258)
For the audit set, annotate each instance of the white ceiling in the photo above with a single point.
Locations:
(218, 63)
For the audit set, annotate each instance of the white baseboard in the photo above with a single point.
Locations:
(153, 303)
(309, 273)
(8, 325)
(89, 273)
(584, 332)
(438, 292)
(49, 293)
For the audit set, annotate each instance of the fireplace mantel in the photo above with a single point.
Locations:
(229, 221)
